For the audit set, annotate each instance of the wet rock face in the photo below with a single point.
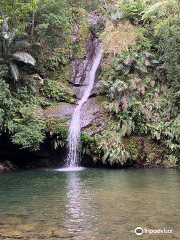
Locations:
(96, 22)
(93, 19)
(92, 119)
(80, 67)
(62, 234)
(61, 111)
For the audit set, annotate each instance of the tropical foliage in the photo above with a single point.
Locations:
(141, 82)
(138, 81)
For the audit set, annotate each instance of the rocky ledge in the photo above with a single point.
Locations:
(92, 116)
(6, 166)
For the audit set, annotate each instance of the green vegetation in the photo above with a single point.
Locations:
(19, 118)
(138, 81)
(56, 91)
(36, 46)
(141, 80)
(57, 131)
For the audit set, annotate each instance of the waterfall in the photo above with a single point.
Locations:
(75, 125)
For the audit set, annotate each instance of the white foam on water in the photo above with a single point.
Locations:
(70, 169)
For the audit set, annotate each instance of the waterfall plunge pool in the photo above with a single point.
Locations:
(89, 204)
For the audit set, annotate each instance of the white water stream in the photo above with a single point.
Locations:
(75, 125)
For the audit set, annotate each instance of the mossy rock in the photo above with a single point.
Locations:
(81, 17)
(58, 91)
(60, 111)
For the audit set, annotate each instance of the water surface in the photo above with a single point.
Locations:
(89, 204)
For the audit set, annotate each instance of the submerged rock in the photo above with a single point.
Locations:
(13, 234)
(176, 235)
(13, 220)
(62, 234)
(47, 233)
(26, 228)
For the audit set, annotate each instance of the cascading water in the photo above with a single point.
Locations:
(75, 125)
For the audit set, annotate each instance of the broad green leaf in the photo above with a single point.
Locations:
(24, 57)
(14, 71)
(152, 9)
